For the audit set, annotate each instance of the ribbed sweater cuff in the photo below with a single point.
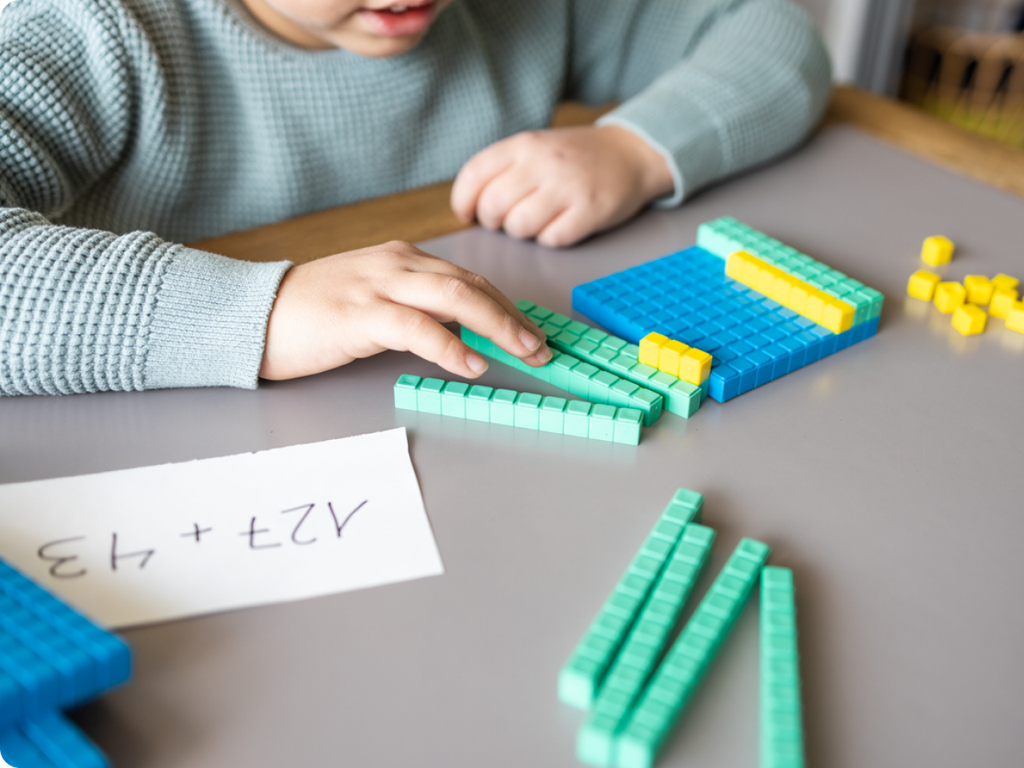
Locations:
(210, 321)
(680, 130)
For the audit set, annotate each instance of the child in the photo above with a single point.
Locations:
(128, 127)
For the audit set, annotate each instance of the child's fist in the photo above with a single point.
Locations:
(393, 296)
(560, 185)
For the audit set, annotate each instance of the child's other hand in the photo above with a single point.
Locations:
(393, 296)
(560, 185)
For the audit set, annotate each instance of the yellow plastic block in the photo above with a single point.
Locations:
(979, 289)
(1003, 282)
(937, 250)
(734, 264)
(922, 284)
(765, 280)
(1015, 317)
(782, 288)
(798, 297)
(815, 306)
(695, 366)
(949, 296)
(837, 315)
(650, 348)
(668, 360)
(1002, 301)
(969, 319)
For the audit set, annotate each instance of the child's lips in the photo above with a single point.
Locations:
(399, 20)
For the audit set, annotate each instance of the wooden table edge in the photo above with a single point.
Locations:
(423, 213)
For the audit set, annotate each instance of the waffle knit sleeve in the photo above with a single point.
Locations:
(84, 310)
(716, 86)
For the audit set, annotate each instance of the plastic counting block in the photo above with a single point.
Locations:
(979, 289)
(683, 667)
(936, 250)
(1002, 301)
(922, 284)
(782, 743)
(62, 743)
(405, 391)
(428, 395)
(695, 366)
(520, 409)
(626, 678)
(949, 296)
(675, 358)
(580, 678)
(650, 348)
(969, 319)
(618, 357)
(1015, 317)
(1003, 282)
(568, 372)
(752, 339)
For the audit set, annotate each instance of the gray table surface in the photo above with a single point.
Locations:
(886, 476)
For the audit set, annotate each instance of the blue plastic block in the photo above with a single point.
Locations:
(62, 743)
(736, 325)
(19, 752)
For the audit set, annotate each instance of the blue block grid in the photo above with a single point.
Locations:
(51, 658)
(687, 296)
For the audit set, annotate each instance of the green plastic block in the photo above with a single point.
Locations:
(602, 422)
(781, 710)
(527, 410)
(644, 735)
(595, 744)
(428, 396)
(453, 399)
(577, 418)
(628, 424)
(552, 415)
(405, 391)
(478, 403)
(503, 407)
(578, 684)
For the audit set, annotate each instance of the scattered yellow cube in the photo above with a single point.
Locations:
(1002, 301)
(922, 284)
(1003, 282)
(949, 296)
(1015, 317)
(695, 366)
(937, 250)
(668, 360)
(969, 319)
(650, 348)
(979, 289)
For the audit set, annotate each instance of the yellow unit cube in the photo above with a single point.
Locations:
(650, 348)
(949, 296)
(937, 250)
(922, 284)
(695, 366)
(765, 280)
(734, 265)
(1015, 317)
(979, 289)
(1002, 301)
(837, 316)
(668, 360)
(815, 305)
(798, 297)
(782, 288)
(969, 319)
(1003, 282)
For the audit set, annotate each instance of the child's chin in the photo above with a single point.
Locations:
(380, 47)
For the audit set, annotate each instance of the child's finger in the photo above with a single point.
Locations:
(474, 176)
(407, 329)
(463, 300)
(532, 214)
(501, 194)
(566, 228)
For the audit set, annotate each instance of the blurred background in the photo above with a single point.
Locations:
(962, 60)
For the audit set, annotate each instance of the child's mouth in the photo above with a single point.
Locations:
(398, 19)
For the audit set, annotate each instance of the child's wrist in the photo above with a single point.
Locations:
(655, 177)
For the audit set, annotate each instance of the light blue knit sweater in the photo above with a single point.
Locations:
(128, 127)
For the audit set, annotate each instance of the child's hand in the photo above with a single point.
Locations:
(393, 296)
(562, 184)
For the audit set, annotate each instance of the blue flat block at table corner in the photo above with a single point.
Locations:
(692, 286)
(62, 742)
(19, 752)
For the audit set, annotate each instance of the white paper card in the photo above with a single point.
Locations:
(156, 543)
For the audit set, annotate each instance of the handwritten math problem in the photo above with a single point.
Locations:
(135, 546)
